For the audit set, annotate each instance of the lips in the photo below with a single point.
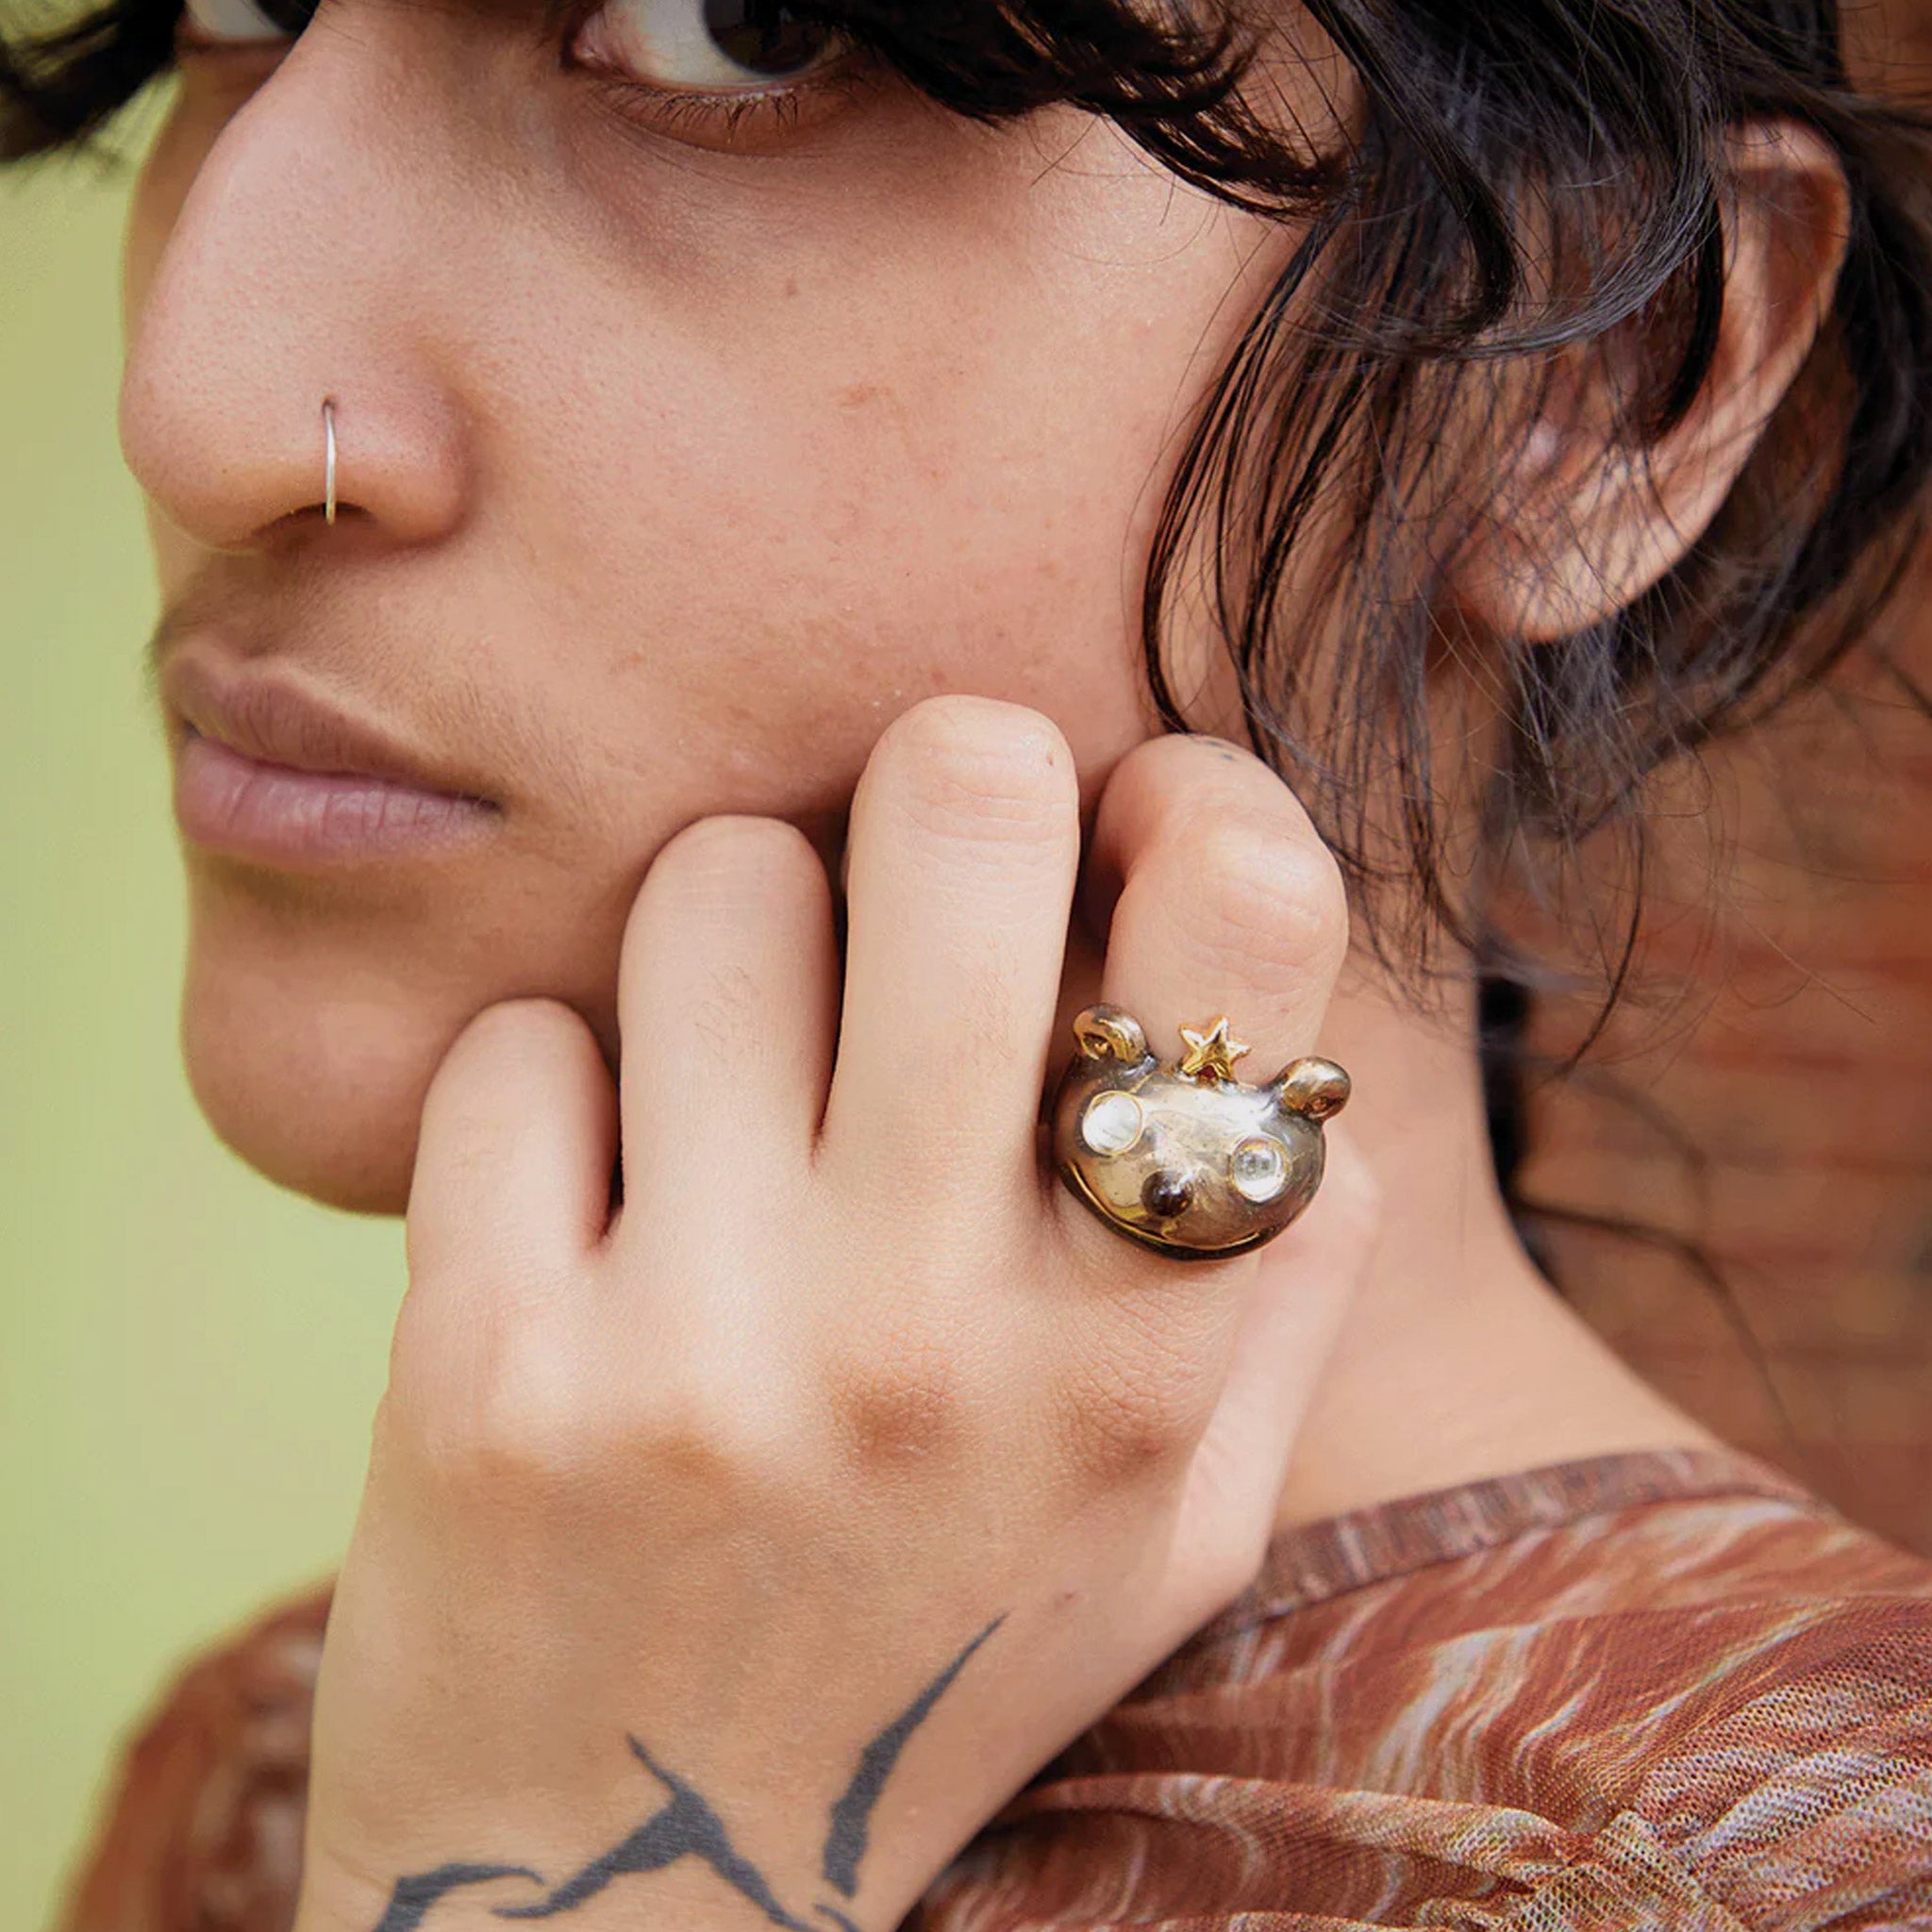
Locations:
(269, 771)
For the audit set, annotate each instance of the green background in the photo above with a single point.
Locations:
(188, 1357)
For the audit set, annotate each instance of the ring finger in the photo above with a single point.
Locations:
(1223, 902)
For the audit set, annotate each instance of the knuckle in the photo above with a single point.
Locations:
(684, 1432)
(1264, 900)
(1134, 1416)
(896, 1408)
(971, 767)
(507, 1419)
(716, 1455)
(523, 1422)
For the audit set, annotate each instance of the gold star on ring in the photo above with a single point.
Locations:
(1212, 1055)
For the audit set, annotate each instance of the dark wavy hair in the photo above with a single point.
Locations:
(1520, 183)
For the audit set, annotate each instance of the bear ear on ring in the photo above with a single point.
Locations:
(1106, 1033)
(1315, 1088)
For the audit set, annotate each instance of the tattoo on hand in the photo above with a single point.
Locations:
(852, 1815)
(688, 1826)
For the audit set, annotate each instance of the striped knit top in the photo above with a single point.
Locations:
(1665, 1691)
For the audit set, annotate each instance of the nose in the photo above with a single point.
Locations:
(287, 280)
(1167, 1192)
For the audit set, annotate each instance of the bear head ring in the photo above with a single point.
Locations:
(1182, 1157)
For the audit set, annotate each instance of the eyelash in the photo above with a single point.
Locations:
(727, 119)
(718, 118)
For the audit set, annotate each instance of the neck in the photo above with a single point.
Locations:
(1457, 1360)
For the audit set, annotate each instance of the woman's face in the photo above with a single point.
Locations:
(674, 462)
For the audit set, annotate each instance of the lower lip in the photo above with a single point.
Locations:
(275, 815)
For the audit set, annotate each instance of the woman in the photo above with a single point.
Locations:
(618, 470)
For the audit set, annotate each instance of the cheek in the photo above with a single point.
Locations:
(808, 475)
(747, 482)
(312, 1068)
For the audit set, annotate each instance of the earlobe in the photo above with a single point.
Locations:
(1590, 518)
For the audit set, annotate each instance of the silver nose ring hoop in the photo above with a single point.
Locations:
(328, 459)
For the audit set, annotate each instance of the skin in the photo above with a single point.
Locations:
(774, 448)
(674, 478)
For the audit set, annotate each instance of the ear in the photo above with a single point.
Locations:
(1586, 522)
(1105, 1033)
(1318, 1089)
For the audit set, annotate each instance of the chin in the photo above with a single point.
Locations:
(315, 1015)
(311, 1074)
(312, 1105)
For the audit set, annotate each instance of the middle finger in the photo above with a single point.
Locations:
(963, 849)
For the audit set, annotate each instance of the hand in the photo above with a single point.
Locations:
(733, 1557)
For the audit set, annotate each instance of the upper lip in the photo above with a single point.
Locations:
(267, 717)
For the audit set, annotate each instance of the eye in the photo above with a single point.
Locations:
(1112, 1123)
(1259, 1169)
(699, 46)
(245, 22)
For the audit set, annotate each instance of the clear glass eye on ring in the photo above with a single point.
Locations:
(1259, 1169)
(1112, 1123)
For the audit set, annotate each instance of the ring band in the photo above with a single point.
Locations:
(1181, 1157)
